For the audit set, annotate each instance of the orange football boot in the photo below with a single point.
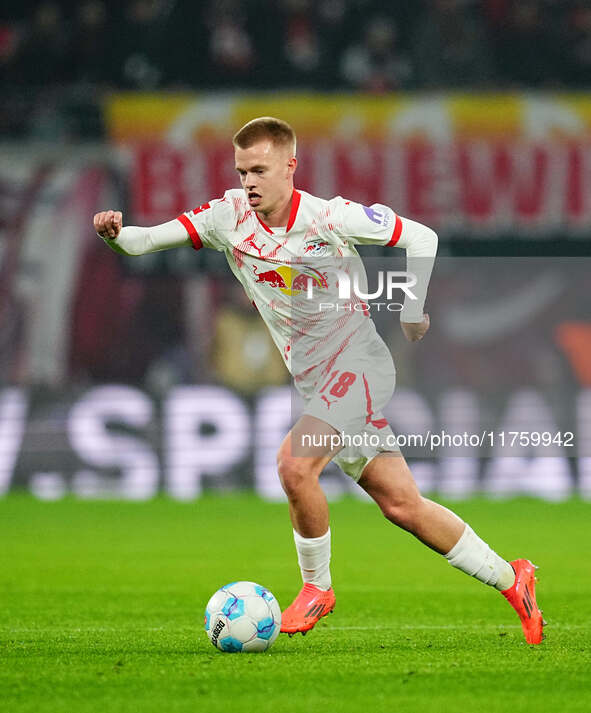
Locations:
(522, 597)
(307, 609)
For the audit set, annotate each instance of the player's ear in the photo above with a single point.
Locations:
(292, 164)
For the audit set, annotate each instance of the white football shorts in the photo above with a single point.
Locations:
(351, 398)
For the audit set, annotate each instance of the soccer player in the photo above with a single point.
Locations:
(274, 235)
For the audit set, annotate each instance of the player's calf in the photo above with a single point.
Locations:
(404, 513)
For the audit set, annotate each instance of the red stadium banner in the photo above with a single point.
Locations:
(473, 165)
(476, 187)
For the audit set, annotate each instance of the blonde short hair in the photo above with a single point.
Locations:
(277, 131)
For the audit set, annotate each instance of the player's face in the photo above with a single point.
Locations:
(266, 174)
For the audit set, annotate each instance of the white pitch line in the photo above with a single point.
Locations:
(401, 627)
(411, 627)
(450, 627)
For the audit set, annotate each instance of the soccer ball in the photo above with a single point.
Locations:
(242, 616)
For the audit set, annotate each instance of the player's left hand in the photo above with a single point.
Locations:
(415, 331)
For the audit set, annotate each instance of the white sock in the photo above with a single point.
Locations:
(474, 557)
(314, 559)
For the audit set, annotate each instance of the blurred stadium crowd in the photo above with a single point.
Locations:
(329, 44)
(57, 56)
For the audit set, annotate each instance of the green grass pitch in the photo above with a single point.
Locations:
(102, 610)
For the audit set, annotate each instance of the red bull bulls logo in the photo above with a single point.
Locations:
(289, 280)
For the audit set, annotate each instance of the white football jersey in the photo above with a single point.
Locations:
(277, 266)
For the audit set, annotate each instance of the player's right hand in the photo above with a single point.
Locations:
(108, 223)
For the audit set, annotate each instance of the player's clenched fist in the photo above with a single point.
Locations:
(415, 331)
(108, 224)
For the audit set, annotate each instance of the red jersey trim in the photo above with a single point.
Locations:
(396, 232)
(296, 197)
(193, 234)
(265, 226)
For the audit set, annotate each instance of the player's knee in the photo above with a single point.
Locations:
(404, 512)
(294, 473)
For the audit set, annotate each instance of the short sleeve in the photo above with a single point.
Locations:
(207, 224)
(366, 225)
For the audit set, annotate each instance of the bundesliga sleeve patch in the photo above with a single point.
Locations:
(379, 216)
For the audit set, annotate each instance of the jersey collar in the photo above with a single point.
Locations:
(296, 197)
